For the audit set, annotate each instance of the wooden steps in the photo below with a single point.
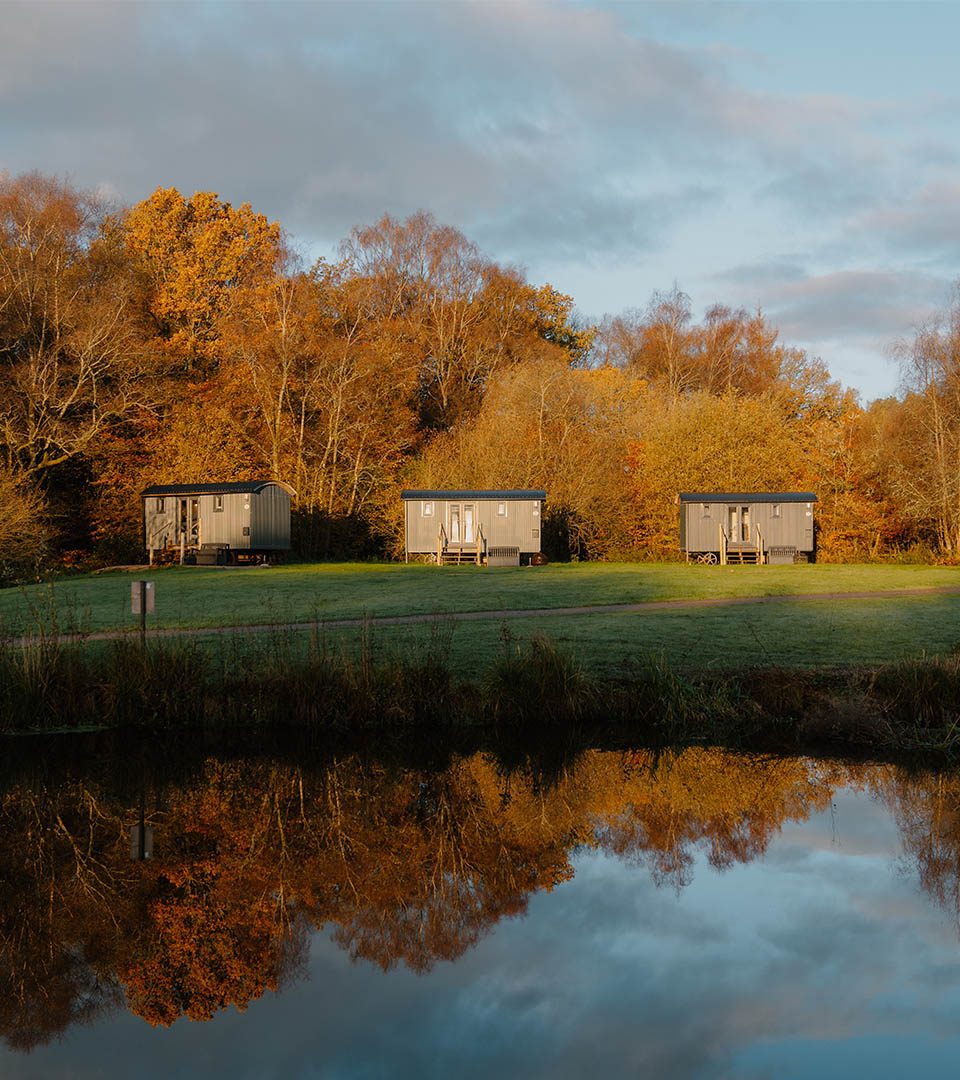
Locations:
(458, 555)
(742, 554)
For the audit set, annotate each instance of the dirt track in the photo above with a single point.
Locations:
(501, 614)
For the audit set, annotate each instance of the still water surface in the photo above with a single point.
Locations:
(699, 914)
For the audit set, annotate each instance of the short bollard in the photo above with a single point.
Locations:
(141, 603)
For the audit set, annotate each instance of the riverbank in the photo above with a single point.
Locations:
(533, 693)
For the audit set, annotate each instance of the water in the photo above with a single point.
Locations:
(687, 915)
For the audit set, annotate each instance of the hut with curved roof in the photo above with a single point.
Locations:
(237, 521)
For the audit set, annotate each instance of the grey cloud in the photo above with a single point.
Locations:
(786, 268)
(501, 118)
(855, 304)
(817, 190)
(925, 219)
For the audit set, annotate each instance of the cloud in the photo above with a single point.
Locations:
(625, 147)
(852, 304)
(925, 219)
(550, 126)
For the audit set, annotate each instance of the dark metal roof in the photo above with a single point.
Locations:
(509, 493)
(747, 497)
(233, 487)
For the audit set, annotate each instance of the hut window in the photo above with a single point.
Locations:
(776, 509)
(426, 509)
(501, 509)
(706, 509)
(160, 504)
(218, 503)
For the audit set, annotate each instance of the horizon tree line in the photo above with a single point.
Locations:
(181, 339)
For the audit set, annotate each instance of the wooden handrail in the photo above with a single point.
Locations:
(759, 546)
(723, 546)
(441, 545)
(481, 540)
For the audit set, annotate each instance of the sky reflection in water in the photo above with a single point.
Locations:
(833, 952)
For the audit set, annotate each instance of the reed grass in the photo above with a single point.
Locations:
(533, 696)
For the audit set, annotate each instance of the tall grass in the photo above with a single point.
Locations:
(534, 697)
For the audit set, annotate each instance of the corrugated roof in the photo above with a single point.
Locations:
(232, 487)
(464, 493)
(747, 497)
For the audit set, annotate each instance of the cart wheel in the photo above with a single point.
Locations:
(709, 557)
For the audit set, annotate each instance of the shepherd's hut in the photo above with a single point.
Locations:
(243, 521)
(747, 527)
(486, 527)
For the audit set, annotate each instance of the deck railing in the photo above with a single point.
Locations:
(723, 546)
(441, 545)
(481, 543)
(759, 546)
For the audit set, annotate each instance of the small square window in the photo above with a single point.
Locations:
(706, 509)
(160, 505)
(776, 509)
(501, 509)
(218, 503)
(426, 509)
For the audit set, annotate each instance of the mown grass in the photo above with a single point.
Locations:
(206, 597)
(784, 633)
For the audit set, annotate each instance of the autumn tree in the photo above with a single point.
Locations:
(24, 534)
(193, 253)
(925, 456)
(544, 424)
(70, 344)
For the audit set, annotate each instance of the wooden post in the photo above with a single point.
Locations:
(141, 600)
(183, 548)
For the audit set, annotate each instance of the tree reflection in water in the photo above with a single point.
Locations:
(404, 866)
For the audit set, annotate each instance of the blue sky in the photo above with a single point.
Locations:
(804, 158)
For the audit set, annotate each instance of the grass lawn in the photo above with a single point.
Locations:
(811, 633)
(808, 634)
(201, 597)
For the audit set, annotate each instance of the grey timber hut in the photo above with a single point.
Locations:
(245, 521)
(747, 527)
(487, 527)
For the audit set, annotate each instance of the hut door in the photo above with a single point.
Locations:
(462, 523)
(733, 524)
(738, 524)
(188, 524)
